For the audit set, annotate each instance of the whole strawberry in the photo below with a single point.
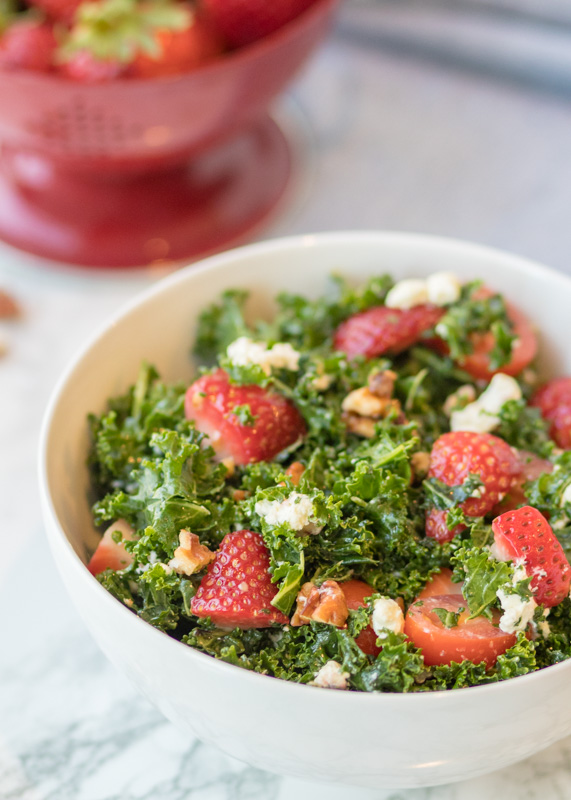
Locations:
(244, 21)
(128, 38)
(525, 536)
(179, 51)
(237, 590)
(28, 44)
(271, 424)
(384, 330)
(57, 10)
(454, 457)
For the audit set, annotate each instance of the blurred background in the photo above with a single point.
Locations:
(447, 117)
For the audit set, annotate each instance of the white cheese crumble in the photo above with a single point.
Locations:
(443, 288)
(440, 289)
(296, 511)
(387, 616)
(518, 613)
(331, 676)
(243, 351)
(321, 383)
(481, 416)
(407, 294)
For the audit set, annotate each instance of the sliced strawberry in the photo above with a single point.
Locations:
(245, 21)
(440, 583)
(355, 592)
(382, 330)
(554, 402)
(530, 467)
(436, 526)
(459, 454)
(478, 640)
(477, 363)
(28, 44)
(526, 536)
(237, 590)
(552, 394)
(524, 347)
(110, 554)
(179, 51)
(210, 402)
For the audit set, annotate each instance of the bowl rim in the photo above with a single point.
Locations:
(252, 51)
(56, 532)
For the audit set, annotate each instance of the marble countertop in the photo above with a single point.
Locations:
(387, 142)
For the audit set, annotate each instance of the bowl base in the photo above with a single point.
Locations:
(216, 200)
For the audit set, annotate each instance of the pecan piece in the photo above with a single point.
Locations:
(9, 308)
(325, 603)
(382, 382)
(191, 556)
(295, 471)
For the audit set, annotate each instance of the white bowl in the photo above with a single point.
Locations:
(386, 740)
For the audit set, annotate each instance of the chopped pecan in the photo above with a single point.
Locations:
(382, 382)
(363, 402)
(239, 494)
(325, 603)
(230, 465)
(9, 308)
(362, 426)
(191, 556)
(459, 399)
(295, 471)
(363, 406)
(420, 463)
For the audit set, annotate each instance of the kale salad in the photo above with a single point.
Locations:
(370, 492)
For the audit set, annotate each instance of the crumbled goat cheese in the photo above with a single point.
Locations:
(481, 416)
(443, 288)
(296, 511)
(518, 613)
(331, 676)
(387, 616)
(243, 352)
(408, 293)
(440, 289)
(322, 383)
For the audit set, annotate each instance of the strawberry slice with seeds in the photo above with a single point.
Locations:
(459, 454)
(530, 467)
(382, 330)
(273, 424)
(111, 554)
(237, 590)
(554, 402)
(526, 536)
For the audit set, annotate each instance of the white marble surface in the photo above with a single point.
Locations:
(395, 144)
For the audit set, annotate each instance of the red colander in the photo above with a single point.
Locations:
(131, 172)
